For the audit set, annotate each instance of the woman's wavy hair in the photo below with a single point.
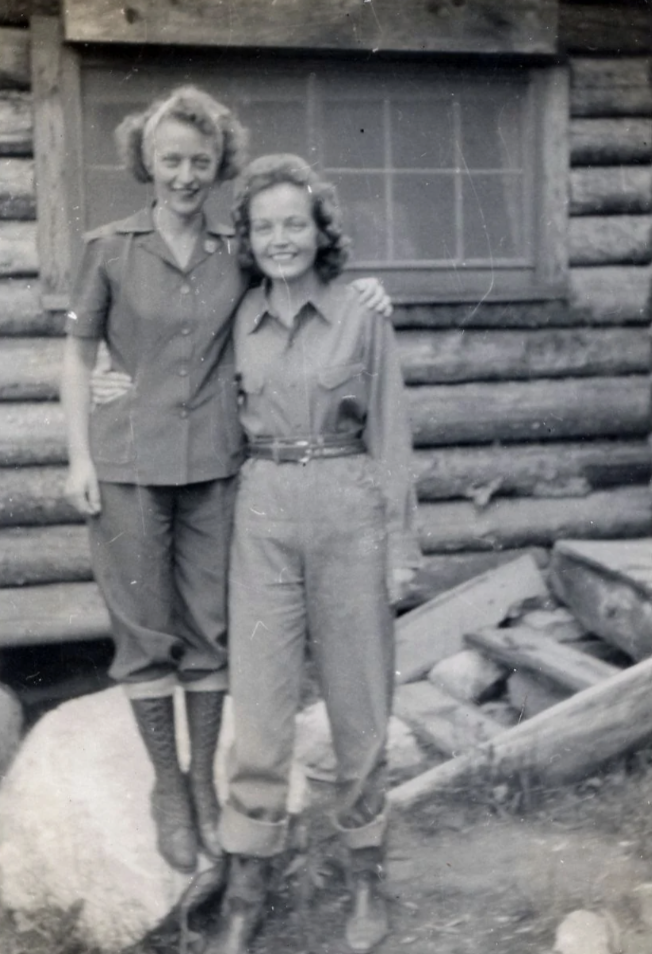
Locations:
(267, 171)
(187, 104)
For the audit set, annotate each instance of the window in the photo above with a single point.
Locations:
(446, 176)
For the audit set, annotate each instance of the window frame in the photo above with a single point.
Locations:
(58, 99)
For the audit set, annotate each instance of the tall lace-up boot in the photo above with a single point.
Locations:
(204, 721)
(171, 807)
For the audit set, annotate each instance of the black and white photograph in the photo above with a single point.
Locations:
(325, 476)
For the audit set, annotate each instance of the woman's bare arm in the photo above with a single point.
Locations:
(82, 488)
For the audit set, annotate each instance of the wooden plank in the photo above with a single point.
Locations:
(56, 613)
(32, 434)
(15, 123)
(56, 147)
(524, 26)
(32, 555)
(610, 595)
(605, 28)
(435, 357)
(18, 256)
(566, 743)
(17, 195)
(436, 717)
(441, 573)
(610, 240)
(525, 650)
(21, 312)
(522, 522)
(568, 469)
(34, 496)
(610, 190)
(435, 630)
(607, 142)
(530, 410)
(30, 368)
(14, 57)
(611, 295)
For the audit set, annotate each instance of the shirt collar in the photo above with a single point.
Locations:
(143, 221)
(323, 302)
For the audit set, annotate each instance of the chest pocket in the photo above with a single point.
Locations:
(250, 382)
(339, 375)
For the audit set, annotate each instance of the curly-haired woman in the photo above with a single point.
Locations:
(154, 468)
(322, 539)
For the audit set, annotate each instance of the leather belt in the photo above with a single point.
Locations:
(301, 451)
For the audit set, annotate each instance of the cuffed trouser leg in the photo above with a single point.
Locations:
(160, 558)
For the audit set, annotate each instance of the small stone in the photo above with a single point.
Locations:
(11, 727)
(584, 932)
(469, 676)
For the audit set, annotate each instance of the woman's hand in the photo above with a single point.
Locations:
(107, 386)
(82, 488)
(399, 583)
(373, 295)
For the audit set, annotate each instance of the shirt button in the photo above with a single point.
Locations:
(183, 413)
(185, 289)
(183, 372)
(185, 331)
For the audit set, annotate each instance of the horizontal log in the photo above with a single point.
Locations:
(34, 496)
(441, 573)
(14, 58)
(566, 743)
(434, 357)
(16, 125)
(606, 296)
(530, 410)
(565, 469)
(610, 190)
(619, 101)
(56, 613)
(17, 195)
(608, 142)
(611, 87)
(610, 72)
(32, 434)
(507, 523)
(34, 555)
(18, 255)
(605, 28)
(21, 312)
(611, 295)
(30, 368)
(610, 240)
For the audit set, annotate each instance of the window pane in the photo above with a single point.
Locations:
(423, 217)
(492, 216)
(363, 206)
(113, 195)
(275, 126)
(422, 134)
(352, 135)
(492, 129)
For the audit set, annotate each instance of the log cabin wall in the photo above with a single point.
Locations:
(530, 419)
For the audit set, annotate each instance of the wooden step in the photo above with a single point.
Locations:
(57, 613)
(523, 649)
(31, 555)
(34, 496)
(452, 726)
(608, 587)
(32, 433)
(30, 369)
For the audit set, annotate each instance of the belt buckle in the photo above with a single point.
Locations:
(308, 452)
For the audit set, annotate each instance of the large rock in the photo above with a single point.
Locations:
(75, 821)
(11, 727)
(585, 932)
(314, 745)
(470, 676)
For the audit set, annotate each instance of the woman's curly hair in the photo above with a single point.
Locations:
(267, 171)
(188, 104)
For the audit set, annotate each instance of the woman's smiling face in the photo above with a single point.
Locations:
(184, 166)
(282, 232)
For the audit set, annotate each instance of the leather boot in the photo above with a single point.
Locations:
(171, 807)
(243, 908)
(204, 721)
(367, 923)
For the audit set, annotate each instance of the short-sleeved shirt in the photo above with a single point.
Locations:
(170, 329)
(336, 372)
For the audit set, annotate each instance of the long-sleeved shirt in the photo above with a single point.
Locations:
(170, 329)
(334, 373)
